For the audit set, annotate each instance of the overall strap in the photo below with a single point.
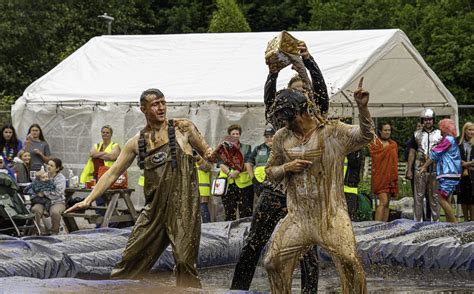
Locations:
(141, 149)
(172, 144)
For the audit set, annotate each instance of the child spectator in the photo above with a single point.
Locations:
(41, 184)
(9, 144)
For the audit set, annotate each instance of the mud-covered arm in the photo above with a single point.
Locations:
(270, 90)
(319, 85)
(197, 141)
(125, 159)
(354, 138)
(203, 165)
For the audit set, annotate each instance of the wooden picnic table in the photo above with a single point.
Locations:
(112, 213)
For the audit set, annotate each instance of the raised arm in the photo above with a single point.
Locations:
(270, 92)
(356, 137)
(320, 91)
(124, 160)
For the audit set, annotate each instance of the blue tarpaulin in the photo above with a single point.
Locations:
(93, 253)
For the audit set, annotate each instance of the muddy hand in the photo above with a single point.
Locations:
(297, 165)
(303, 49)
(361, 96)
(273, 68)
(213, 156)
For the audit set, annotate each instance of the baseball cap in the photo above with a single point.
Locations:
(269, 131)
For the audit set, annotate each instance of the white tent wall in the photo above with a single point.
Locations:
(72, 130)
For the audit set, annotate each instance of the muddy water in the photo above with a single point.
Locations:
(217, 280)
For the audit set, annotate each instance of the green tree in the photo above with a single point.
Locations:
(270, 15)
(228, 18)
(182, 16)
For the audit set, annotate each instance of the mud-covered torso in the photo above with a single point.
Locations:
(317, 191)
(305, 184)
(161, 177)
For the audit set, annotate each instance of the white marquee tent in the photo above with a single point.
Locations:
(216, 80)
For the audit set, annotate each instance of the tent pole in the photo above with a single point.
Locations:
(352, 105)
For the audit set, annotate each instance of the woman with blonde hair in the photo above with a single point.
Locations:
(466, 197)
(102, 153)
(22, 167)
(448, 168)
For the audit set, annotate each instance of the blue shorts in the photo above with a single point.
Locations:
(447, 186)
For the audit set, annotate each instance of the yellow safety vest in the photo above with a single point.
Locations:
(260, 159)
(141, 180)
(242, 181)
(204, 182)
(260, 173)
(348, 189)
(88, 171)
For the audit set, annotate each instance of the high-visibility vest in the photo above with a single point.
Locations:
(204, 182)
(88, 171)
(261, 158)
(141, 180)
(244, 179)
(347, 189)
(260, 173)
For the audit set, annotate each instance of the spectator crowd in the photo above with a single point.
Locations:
(438, 166)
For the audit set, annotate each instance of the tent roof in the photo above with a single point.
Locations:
(230, 67)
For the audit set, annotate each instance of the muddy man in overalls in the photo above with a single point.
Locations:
(164, 149)
(306, 162)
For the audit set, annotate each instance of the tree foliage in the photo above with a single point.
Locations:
(37, 35)
(228, 18)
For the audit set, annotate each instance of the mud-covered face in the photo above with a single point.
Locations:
(297, 85)
(154, 108)
(285, 114)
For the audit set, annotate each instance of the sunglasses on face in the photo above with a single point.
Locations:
(428, 119)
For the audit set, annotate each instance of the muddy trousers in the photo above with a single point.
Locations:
(352, 201)
(148, 240)
(271, 208)
(291, 239)
(426, 184)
